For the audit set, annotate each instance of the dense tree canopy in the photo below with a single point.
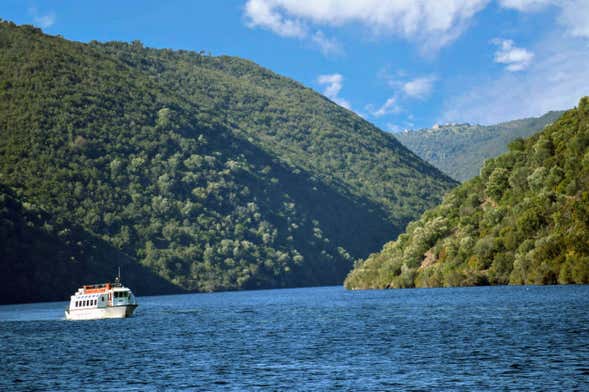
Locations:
(37, 247)
(211, 172)
(523, 220)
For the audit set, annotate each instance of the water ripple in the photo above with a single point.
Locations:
(493, 338)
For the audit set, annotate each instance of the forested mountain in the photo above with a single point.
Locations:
(37, 247)
(460, 150)
(524, 220)
(212, 172)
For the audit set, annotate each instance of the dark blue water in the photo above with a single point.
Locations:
(492, 338)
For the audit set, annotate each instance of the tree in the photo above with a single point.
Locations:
(497, 183)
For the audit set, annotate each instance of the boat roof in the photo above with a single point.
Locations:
(102, 287)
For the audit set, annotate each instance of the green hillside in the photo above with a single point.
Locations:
(524, 220)
(460, 150)
(211, 172)
(36, 247)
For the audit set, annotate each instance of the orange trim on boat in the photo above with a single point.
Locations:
(91, 289)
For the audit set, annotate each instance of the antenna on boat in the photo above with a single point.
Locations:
(119, 277)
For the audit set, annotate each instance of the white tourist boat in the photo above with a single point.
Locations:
(100, 301)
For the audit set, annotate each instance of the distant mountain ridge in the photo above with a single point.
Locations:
(523, 220)
(460, 150)
(211, 172)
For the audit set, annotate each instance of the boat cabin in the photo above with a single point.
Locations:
(102, 296)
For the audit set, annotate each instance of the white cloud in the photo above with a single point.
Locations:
(45, 21)
(526, 5)
(392, 127)
(42, 20)
(389, 107)
(515, 59)
(556, 80)
(328, 46)
(433, 24)
(416, 88)
(420, 87)
(574, 14)
(262, 13)
(268, 15)
(576, 19)
(333, 84)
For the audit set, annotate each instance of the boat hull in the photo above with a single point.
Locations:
(121, 311)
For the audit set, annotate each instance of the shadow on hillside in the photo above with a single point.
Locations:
(43, 260)
(354, 223)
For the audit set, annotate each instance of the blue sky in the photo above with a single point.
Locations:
(401, 64)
